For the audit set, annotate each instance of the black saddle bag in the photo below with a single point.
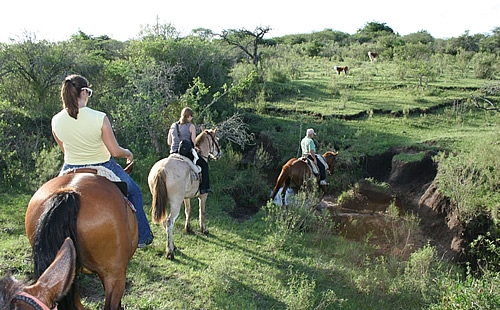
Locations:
(185, 147)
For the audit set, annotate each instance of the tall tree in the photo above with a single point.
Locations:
(247, 41)
(31, 68)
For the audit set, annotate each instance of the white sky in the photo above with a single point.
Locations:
(121, 20)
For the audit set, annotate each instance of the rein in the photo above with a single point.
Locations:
(31, 300)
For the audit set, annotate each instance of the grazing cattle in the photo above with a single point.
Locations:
(372, 56)
(340, 69)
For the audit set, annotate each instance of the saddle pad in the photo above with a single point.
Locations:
(312, 165)
(195, 168)
(102, 171)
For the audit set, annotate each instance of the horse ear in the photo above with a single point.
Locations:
(57, 279)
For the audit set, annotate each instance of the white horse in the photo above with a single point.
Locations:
(175, 179)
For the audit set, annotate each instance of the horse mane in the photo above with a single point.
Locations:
(201, 137)
(330, 153)
(9, 288)
(57, 221)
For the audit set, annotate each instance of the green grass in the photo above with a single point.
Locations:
(233, 267)
(369, 87)
(241, 265)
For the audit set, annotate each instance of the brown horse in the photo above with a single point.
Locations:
(50, 287)
(96, 215)
(173, 180)
(296, 173)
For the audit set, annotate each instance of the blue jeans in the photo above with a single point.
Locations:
(134, 195)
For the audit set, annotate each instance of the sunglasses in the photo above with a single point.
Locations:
(89, 91)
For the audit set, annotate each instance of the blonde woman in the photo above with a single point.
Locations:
(184, 130)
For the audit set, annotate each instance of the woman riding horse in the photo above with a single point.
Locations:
(86, 138)
(182, 131)
(174, 180)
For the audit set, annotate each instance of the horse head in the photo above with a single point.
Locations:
(331, 160)
(208, 143)
(50, 287)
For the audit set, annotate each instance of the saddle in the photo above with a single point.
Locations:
(314, 168)
(105, 172)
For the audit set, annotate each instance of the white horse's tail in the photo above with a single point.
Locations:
(159, 196)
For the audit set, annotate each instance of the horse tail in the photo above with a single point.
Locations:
(159, 196)
(57, 222)
(284, 174)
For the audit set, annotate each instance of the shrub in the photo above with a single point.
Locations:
(286, 222)
(484, 65)
(470, 179)
(301, 291)
(48, 163)
(469, 294)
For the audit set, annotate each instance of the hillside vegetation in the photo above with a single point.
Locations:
(421, 94)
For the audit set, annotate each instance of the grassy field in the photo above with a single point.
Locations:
(249, 265)
(265, 262)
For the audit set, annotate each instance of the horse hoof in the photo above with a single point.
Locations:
(189, 231)
(170, 256)
(205, 232)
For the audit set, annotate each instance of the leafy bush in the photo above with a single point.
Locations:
(485, 249)
(301, 291)
(48, 163)
(469, 294)
(420, 271)
(286, 222)
(485, 65)
(471, 179)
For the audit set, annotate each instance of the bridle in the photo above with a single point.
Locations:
(214, 147)
(31, 301)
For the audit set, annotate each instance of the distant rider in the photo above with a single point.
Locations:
(185, 130)
(309, 150)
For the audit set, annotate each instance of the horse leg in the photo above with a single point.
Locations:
(114, 287)
(187, 210)
(286, 184)
(77, 299)
(168, 224)
(201, 200)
